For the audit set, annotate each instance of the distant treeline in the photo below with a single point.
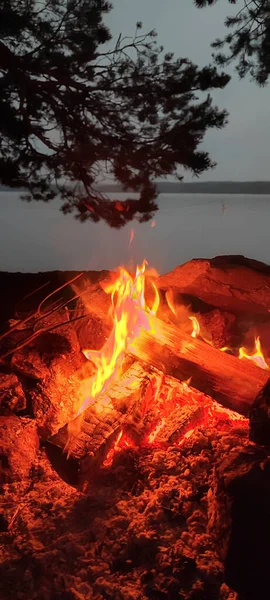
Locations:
(206, 187)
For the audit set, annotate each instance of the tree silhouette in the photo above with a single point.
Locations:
(248, 41)
(75, 111)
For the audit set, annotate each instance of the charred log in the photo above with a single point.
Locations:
(98, 429)
(183, 420)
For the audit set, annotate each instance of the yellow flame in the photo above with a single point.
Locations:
(130, 316)
(156, 302)
(196, 327)
(170, 301)
(257, 357)
(186, 384)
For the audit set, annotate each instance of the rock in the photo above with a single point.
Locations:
(54, 399)
(12, 396)
(232, 283)
(29, 363)
(218, 327)
(55, 360)
(93, 330)
(18, 447)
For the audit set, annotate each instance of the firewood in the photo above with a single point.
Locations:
(178, 423)
(232, 382)
(99, 428)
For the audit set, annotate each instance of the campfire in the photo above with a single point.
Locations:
(145, 405)
(136, 373)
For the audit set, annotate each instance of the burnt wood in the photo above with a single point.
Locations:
(232, 382)
(98, 430)
(182, 420)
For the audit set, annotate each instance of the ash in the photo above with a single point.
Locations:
(175, 523)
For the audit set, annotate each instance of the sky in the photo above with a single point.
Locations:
(242, 149)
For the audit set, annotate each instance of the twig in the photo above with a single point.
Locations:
(30, 294)
(46, 314)
(14, 516)
(58, 290)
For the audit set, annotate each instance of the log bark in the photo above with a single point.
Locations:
(232, 382)
(98, 430)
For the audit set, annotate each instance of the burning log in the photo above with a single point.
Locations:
(179, 423)
(232, 382)
(98, 430)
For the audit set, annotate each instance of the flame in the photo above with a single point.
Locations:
(196, 327)
(170, 301)
(156, 302)
(186, 384)
(130, 315)
(257, 357)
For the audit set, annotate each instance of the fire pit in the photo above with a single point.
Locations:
(134, 435)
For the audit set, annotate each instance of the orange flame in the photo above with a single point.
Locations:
(170, 301)
(196, 327)
(130, 316)
(257, 357)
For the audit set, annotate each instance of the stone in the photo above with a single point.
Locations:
(19, 443)
(93, 330)
(55, 360)
(218, 327)
(232, 283)
(12, 398)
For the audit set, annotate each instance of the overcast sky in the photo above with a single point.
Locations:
(242, 149)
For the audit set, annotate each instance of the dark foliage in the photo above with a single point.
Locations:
(248, 41)
(74, 112)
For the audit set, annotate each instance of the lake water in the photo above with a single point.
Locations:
(37, 237)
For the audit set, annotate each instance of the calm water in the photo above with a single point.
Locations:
(37, 237)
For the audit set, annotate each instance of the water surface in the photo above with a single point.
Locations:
(37, 237)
